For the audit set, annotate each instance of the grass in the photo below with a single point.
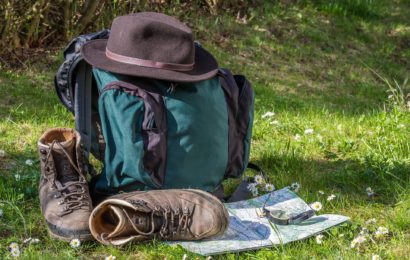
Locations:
(318, 65)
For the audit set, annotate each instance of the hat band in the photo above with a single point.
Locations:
(148, 63)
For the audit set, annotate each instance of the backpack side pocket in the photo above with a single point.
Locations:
(153, 130)
(239, 98)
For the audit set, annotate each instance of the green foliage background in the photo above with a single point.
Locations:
(39, 23)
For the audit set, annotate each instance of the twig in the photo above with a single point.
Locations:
(17, 58)
(4, 62)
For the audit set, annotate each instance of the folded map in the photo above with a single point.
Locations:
(248, 230)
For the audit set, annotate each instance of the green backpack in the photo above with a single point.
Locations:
(154, 134)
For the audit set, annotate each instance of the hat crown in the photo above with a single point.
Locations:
(153, 37)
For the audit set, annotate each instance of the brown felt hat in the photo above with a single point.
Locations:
(151, 45)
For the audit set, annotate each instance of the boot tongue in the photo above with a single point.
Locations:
(65, 171)
(128, 218)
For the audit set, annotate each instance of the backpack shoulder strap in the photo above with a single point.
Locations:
(82, 104)
(242, 192)
(73, 84)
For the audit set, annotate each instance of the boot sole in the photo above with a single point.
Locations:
(82, 238)
(213, 199)
(70, 235)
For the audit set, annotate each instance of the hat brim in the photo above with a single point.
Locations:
(205, 66)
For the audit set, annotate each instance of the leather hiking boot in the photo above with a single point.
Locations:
(63, 191)
(174, 214)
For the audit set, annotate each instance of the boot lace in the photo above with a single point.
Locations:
(73, 198)
(175, 222)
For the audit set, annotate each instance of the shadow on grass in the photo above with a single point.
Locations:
(348, 177)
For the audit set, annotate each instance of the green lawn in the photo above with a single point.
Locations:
(337, 67)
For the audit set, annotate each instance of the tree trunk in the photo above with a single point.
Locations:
(67, 18)
(32, 33)
(88, 14)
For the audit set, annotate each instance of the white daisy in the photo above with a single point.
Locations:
(274, 122)
(316, 206)
(14, 246)
(357, 241)
(381, 232)
(31, 240)
(74, 243)
(319, 239)
(331, 197)
(297, 137)
(364, 231)
(15, 252)
(308, 131)
(360, 239)
(376, 257)
(295, 186)
(29, 162)
(268, 114)
(26, 241)
(111, 257)
(370, 192)
(378, 235)
(209, 258)
(371, 221)
(258, 179)
(320, 192)
(255, 192)
(269, 187)
(251, 186)
(2, 153)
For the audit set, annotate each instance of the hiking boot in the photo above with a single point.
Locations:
(175, 214)
(63, 191)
